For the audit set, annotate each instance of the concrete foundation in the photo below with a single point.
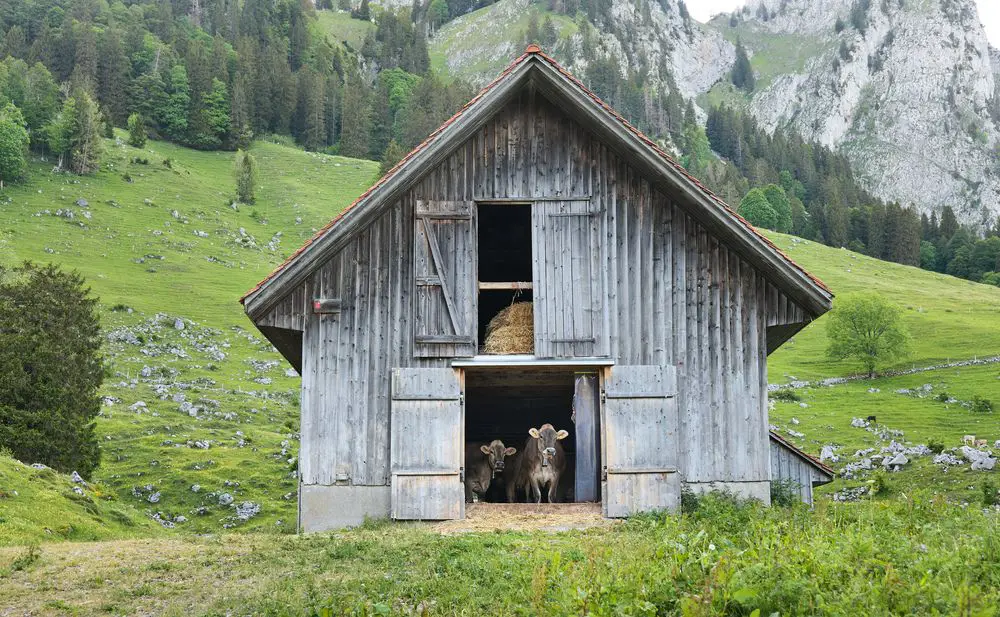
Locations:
(761, 491)
(334, 507)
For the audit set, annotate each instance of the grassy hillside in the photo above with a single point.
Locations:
(41, 505)
(472, 47)
(201, 419)
(340, 27)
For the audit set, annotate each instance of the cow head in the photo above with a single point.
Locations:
(496, 452)
(545, 440)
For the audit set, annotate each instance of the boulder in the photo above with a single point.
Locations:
(225, 499)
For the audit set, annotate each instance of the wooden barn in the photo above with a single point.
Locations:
(796, 468)
(654, 309)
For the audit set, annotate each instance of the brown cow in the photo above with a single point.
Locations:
(482, 464)
(540, 464)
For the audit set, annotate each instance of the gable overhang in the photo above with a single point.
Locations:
(537, 70)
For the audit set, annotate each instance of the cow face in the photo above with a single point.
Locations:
(545, 440)
(496, 452)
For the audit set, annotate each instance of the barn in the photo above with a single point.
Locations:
(654, 310)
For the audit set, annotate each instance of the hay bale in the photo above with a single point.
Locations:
(511, 331)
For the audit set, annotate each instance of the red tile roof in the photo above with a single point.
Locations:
(534, 51)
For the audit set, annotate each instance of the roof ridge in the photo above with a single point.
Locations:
(531, 51)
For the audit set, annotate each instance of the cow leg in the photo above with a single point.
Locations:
(554, 490)
(536, 491)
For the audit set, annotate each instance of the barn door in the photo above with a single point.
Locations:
(426, 444)
(444, 257)
(640, 440)
(569, 279)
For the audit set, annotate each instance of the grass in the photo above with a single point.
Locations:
(340, 27)
(40, 505)
(948, 318)
(168, 245)
(912, 556)
(773, 55)
(473, 48)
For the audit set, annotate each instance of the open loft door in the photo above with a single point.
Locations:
(640, 437)
(569, 287)
(426, 444)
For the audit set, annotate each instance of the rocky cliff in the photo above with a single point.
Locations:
(906, 89)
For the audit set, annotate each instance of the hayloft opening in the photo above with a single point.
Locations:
(505, 402)
(505, 275)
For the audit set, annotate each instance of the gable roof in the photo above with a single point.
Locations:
(811, 460)
(556, 83)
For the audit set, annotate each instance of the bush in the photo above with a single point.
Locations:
(785, 394)
(136, 131)
(785, 493)
(50, 368)
(979, 404)
(990, 497)
(935, 446)
(881, 485)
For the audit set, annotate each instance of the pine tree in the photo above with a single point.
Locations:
(84, 75)
(742, 74)
(311, 119)
(356, 120)
(112, 75)
(837, 222)
(949, 224)
(50, 367)
(136, 131)
(393, 154)
(13, 145)
(173, 116)
(85, 135)
(245, 172)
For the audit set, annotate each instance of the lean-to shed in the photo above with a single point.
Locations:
(655, 307)
(797, 469)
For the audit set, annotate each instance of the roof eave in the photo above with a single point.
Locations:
(389, 188)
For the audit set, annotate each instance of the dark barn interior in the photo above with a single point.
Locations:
(504, 257)
(504, 402)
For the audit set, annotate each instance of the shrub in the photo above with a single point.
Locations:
(785, 394)
(990, 497)
(943, 397)
(881, 485)
(245, 170)
(935, 446)
(979, 404)
(136, 131)
(784, 493)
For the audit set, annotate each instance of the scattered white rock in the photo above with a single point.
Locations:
(225, 499)
(828, 453)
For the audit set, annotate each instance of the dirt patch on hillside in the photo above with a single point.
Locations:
(526, 517)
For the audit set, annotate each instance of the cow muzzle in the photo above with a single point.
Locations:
(547, 455)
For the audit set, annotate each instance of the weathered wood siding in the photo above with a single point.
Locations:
(641, 440)
(673, 296)
(789, 466)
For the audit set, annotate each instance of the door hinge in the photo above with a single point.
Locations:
(604, 473)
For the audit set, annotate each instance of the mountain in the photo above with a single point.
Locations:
(905, 89)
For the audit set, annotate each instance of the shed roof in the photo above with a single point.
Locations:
(811, 460)
(542, 72)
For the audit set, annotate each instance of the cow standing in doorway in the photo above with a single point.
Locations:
(483, 464)
(540, 465)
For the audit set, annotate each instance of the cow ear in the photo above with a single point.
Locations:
(533, 432)
(562, 434)
(485, 449)
(510, 451)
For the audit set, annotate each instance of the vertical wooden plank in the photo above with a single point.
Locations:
(586, 406)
